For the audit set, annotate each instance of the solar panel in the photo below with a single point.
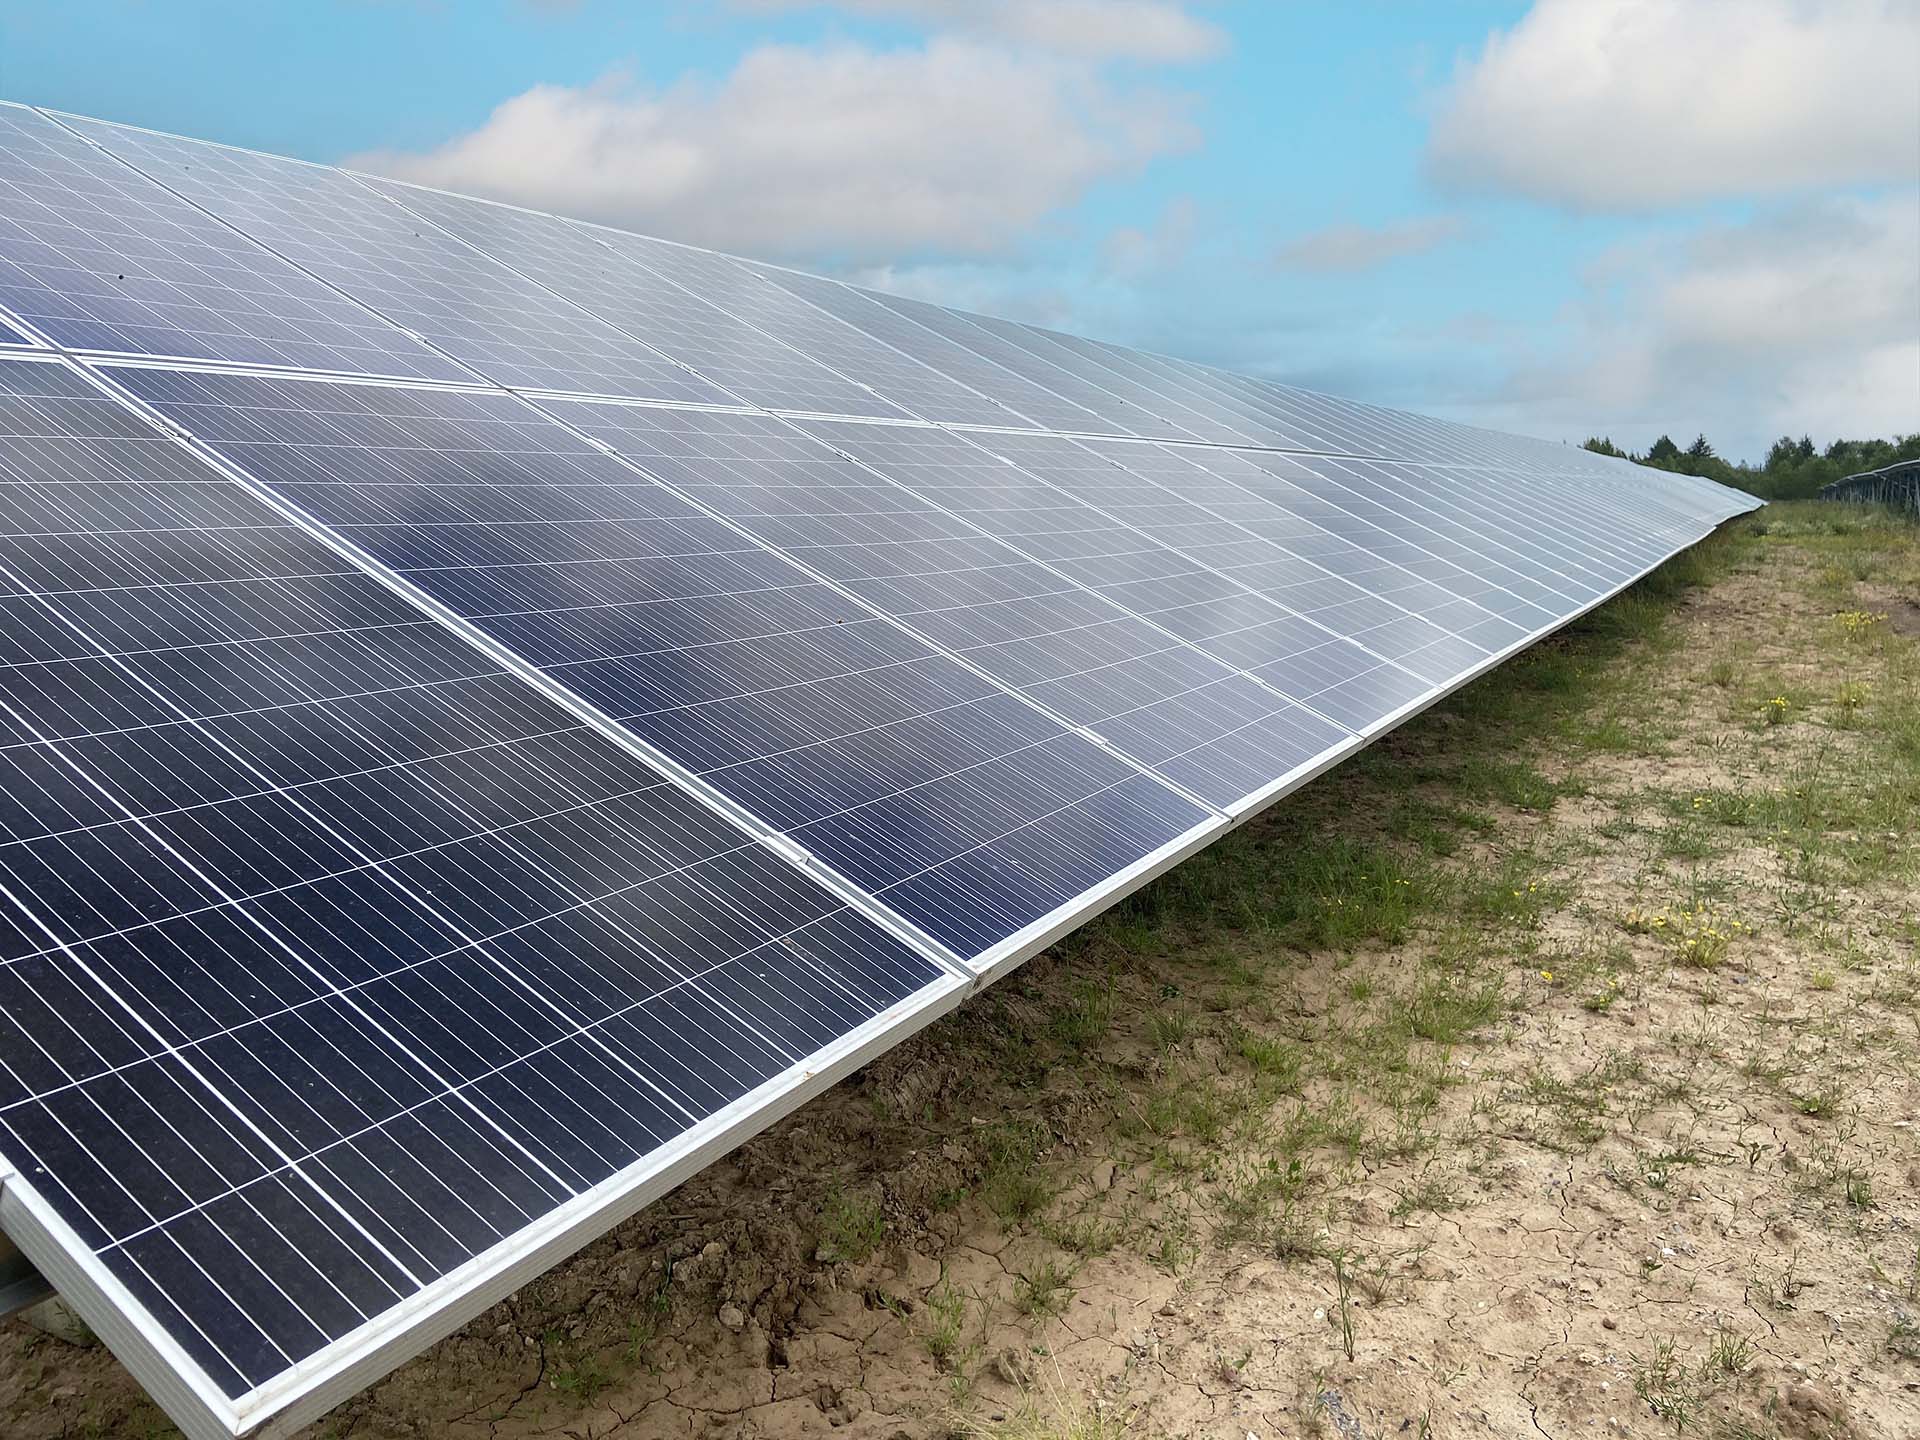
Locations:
(580, 261)
(1026, 402)
(337, 961)
(964, 557)
(98, 257)
(495, 709)
(774, 684)
(1118, 414)
(442, 292)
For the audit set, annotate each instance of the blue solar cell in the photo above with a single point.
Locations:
(940, 535)
(1027, 403)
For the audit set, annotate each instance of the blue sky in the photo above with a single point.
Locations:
(1559, 217)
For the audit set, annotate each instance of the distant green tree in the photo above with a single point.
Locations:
(1604, 447)
(1793, 469)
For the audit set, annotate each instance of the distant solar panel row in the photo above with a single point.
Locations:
(495, 708)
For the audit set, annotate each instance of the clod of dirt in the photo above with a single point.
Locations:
(1811, 1399)
(1015, 1367)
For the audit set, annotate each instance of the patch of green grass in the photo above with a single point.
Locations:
(1276, 1060)
(584, 1377)
(851, 1227)
(1510, 782)
(1014, 1183)
(1447, 1008)
(1045, 1291)
(1087, 1017)
(1434, 1191)
(946, 1320)
(1667, 1385)
(1170, 1028)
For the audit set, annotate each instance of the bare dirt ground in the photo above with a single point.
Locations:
(1551, 1070)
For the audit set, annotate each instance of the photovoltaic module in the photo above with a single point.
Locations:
(496, 709)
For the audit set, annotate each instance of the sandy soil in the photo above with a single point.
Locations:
(1501, 1155)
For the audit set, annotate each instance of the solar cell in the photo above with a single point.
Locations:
(1328, 620)
(336, 964)
(1194, 416)
(916, 388)
(446, 293)
(1218, 414)
(918, 778)
(100, 258)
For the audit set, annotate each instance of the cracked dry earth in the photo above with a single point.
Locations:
(1549, 1070)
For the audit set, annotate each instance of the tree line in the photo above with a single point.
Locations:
(1793, 470)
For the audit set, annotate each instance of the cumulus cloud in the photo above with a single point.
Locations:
(1805, 318)
(956, 146)
(1158, 30)
(1638, 104)
(1363, 247)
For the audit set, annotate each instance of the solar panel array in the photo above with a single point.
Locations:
(495, 709)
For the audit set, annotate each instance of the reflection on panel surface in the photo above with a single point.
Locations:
(332, 955)
(934, 532)
(99, 257)
(925, 783)
(449, 294)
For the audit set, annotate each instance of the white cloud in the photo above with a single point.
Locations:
(1159, 30)
(1637, 104)
(1363, 247)
(957, 147)
(1806, 318)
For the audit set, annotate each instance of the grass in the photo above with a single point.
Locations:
(851, 1227)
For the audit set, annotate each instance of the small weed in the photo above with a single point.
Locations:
(851, 1227)
(1013, 1182)
(946, 1309)
(1343, 1285)
(1045, 1292)
(1170, 1028)
(1667, 1386)
(1730, 1354)
(1085, 1020)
